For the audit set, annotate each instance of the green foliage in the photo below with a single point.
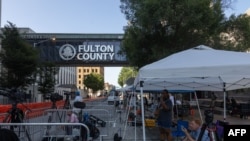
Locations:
(125, 74)
(94, 81)
(158, 28)
(46, 73)
(18, 57)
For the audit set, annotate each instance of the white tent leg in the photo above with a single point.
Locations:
(142, 112)
(135, 107)
(198, 107)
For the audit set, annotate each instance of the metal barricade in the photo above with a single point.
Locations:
(105, 116)
(55, 115)
(34, 116)
(25, 133)
(113, 121)
(102, 117)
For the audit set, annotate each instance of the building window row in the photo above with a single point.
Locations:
(88, 70)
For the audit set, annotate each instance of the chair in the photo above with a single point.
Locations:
(178, 132)
(220, 128)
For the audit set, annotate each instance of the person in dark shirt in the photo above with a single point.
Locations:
(234, 103)
(164, 120)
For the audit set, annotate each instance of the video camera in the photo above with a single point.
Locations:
(66, 93)
(56, 97)
(13, 94)
(209, 117)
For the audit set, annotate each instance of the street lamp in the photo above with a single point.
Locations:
(35, 45)
(53, 39)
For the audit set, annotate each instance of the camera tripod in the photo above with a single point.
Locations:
(210, 126)
(67, 104)
(50, 117)
(60, 115)
(16, 115)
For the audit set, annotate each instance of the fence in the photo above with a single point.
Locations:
(44, 123)
(25, 131)
(102, 118)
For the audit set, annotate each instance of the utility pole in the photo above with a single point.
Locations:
(1, 31)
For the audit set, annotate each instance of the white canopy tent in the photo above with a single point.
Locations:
(199, 68)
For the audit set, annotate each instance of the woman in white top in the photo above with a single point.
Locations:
(78, 97)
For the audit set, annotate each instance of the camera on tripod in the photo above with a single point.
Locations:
(209, 117)
(56, 97)
(211, 127)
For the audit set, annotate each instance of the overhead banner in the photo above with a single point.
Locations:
(87, 52)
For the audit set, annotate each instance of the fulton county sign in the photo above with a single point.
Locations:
(79, 49)
(96, 52)
(87, 53)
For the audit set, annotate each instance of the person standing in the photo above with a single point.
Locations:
(164, 120)
(78, 98)
(125, 101)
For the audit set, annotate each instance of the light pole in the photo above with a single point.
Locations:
(35, 76)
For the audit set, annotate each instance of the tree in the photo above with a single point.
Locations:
(18, 57)
(125, 74)
(158, 28)
(46, 73)
(94, 81)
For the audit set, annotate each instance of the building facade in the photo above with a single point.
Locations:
(76, 55)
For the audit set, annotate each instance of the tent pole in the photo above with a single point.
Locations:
(135, 108)
(198, 107)
(224, 98)
(142, 111)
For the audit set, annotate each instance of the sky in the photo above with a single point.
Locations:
(78, 16)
